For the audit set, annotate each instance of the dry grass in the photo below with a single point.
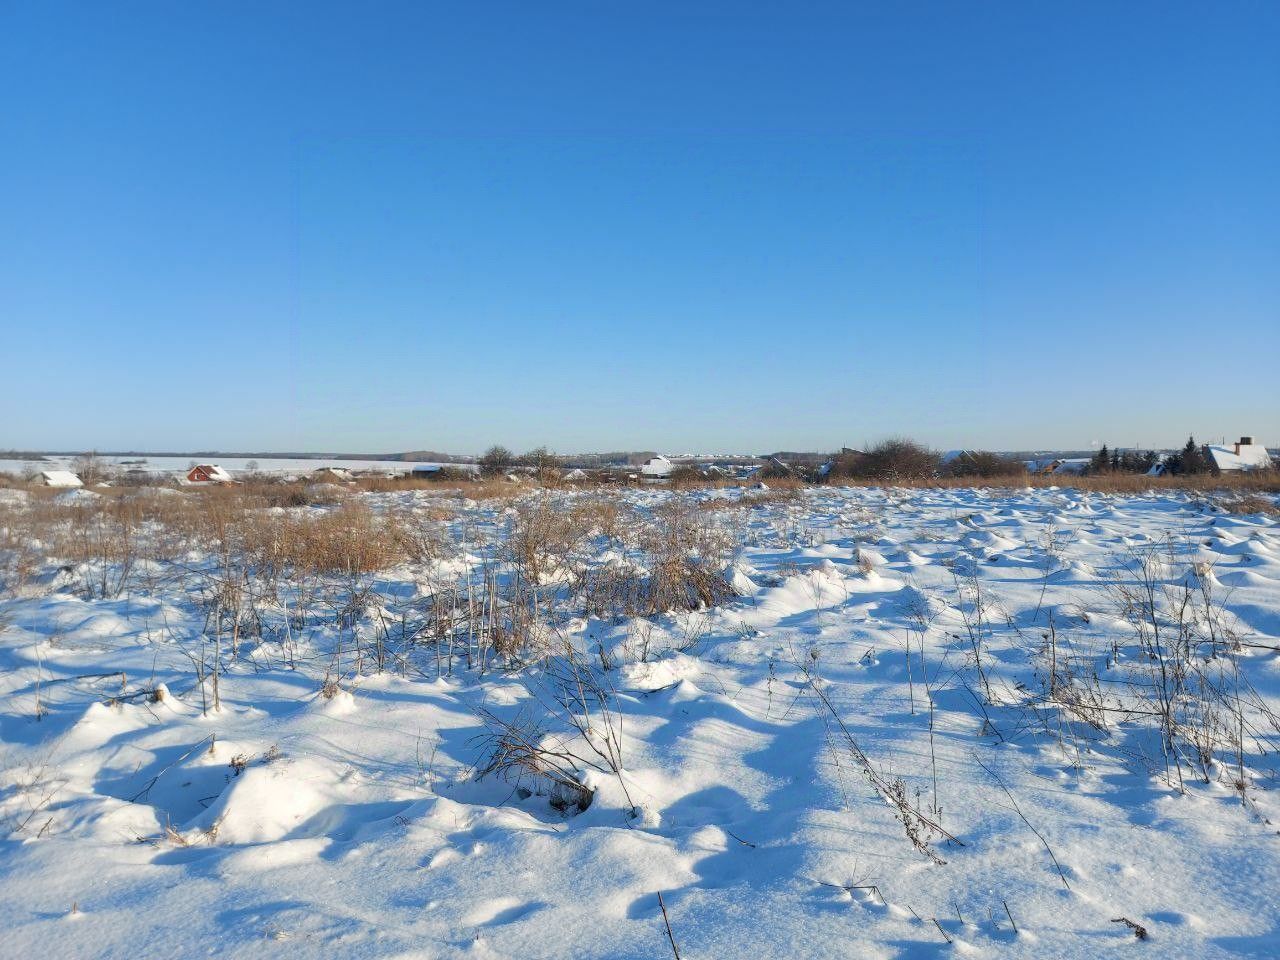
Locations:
(755, 499)
(348, 540)
(1249, 503)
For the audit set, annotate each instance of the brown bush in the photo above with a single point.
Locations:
(984, 464)
(687, 478)
(890, 461)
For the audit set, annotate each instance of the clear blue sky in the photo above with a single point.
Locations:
(386, 226)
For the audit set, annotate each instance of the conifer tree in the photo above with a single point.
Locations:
(1101, 461)
(1193, 459)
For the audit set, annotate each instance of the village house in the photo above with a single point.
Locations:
(59, 478)
(1061, 465)
(957, 456)
(209, 473)
(657, 467)
(1242, 456)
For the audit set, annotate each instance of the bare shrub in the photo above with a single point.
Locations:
(897, 460)
(543, 538)
(686, 477)
(545, 466)
(496, 460)
(424, 540)
(984, 464)
(599, 515)
(545, 749)
(1186, 678)
(520, 752)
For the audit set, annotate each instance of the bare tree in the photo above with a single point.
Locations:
(545, 465)
(497, 459)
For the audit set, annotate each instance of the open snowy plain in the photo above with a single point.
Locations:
(822, 723)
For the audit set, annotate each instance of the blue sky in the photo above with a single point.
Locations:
(376, 227)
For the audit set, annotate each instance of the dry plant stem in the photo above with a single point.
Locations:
(675, 951)
(917, 826)
(940, 930)
(1018, 810)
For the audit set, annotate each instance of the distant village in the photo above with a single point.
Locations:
(889, 461)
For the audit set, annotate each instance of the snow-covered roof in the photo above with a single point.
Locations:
(1072, 465)
(658, 466)
(214, 472)
(59, 478)
(1240, 456)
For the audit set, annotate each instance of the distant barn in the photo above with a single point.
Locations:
(208, 473)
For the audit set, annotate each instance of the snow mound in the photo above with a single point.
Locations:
(270, 801)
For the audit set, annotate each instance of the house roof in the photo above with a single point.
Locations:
(60, 478)
(1252, 456)
(1072, 465)
(214, 472)
(658, 466)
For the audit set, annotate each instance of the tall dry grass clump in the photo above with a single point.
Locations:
(688, 557)
(350, 539)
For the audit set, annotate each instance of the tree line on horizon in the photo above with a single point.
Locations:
(899, 460)
(1191, 460)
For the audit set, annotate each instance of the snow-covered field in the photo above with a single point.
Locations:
(928, 723)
